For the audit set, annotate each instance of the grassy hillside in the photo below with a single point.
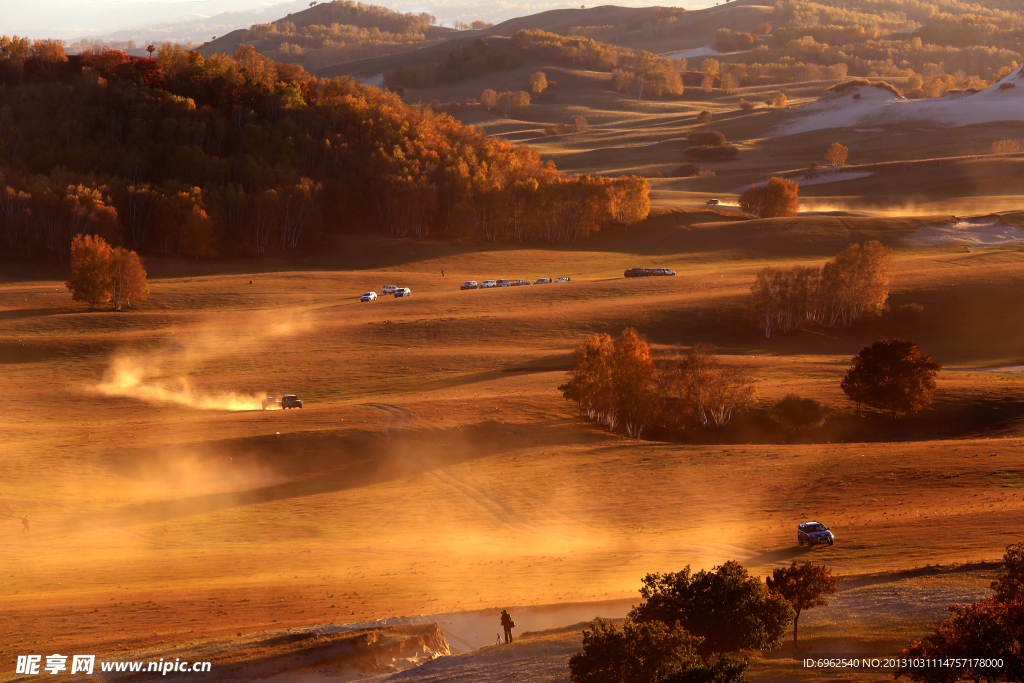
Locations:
(435, 467)
(800, 59)
(332, 32)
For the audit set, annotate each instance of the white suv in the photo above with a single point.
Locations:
(813, 533)
(388, 289)
(487, 284)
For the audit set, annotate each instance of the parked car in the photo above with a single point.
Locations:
(290, 401)
(648, 272)
(402, 291)
(562, 279)
(712, 202)
(520, 283)
(487, 284)
(270, 402)
(504, 283)
(469, 285)
(813, 533)
(388, 289)
(542, 281)
(369, 296)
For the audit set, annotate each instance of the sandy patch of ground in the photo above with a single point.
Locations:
(467, 631)
(977, 232)
(376, 80)
(705, 51)
(868, 106)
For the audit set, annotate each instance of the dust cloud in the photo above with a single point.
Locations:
(913, 208)
(131, 377)
(146, 377)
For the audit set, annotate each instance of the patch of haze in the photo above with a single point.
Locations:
(135, 376)
(905, 210)
(914, 208)
(130, 377)
(533, 532)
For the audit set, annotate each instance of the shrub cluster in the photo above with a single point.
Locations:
(639, 74)
(778, 198)
(853, 283)
(617, 383)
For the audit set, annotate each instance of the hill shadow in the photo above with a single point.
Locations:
(310, 463)
(780, 555)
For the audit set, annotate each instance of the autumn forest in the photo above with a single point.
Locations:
(241, 154)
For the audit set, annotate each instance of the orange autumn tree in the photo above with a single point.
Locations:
(803, 586)
(619, 384)
(837, 154)
(127, 278)
(100, 273)
(849, 286)
(90, 270)
(778, 198)
(209, 132)
(633, 375)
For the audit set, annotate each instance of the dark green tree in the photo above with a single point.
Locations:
(798, 414)
(648, 652)
(639, 653)
(727, 607)
(724, 670)
(893, 375)
(1010, 583)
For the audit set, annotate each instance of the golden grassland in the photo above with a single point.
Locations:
(435, 466)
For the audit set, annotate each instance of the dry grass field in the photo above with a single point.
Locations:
(435, 467)
(149, 508)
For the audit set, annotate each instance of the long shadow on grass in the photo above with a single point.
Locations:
(780, 555)
(315, 463)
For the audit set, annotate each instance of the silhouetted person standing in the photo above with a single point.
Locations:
(507, 624)
(442, 272)
(24, 524)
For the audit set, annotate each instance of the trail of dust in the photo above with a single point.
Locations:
(140, 376)
(130, 377)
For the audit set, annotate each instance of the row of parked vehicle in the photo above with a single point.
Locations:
(648, 272)
(398, 292)
(487, 284)
(401, 292)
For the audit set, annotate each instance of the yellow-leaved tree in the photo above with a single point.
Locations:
(127, 278)
(89, 280)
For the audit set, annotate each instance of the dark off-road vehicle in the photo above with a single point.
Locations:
(814, 533)
(290, 401)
